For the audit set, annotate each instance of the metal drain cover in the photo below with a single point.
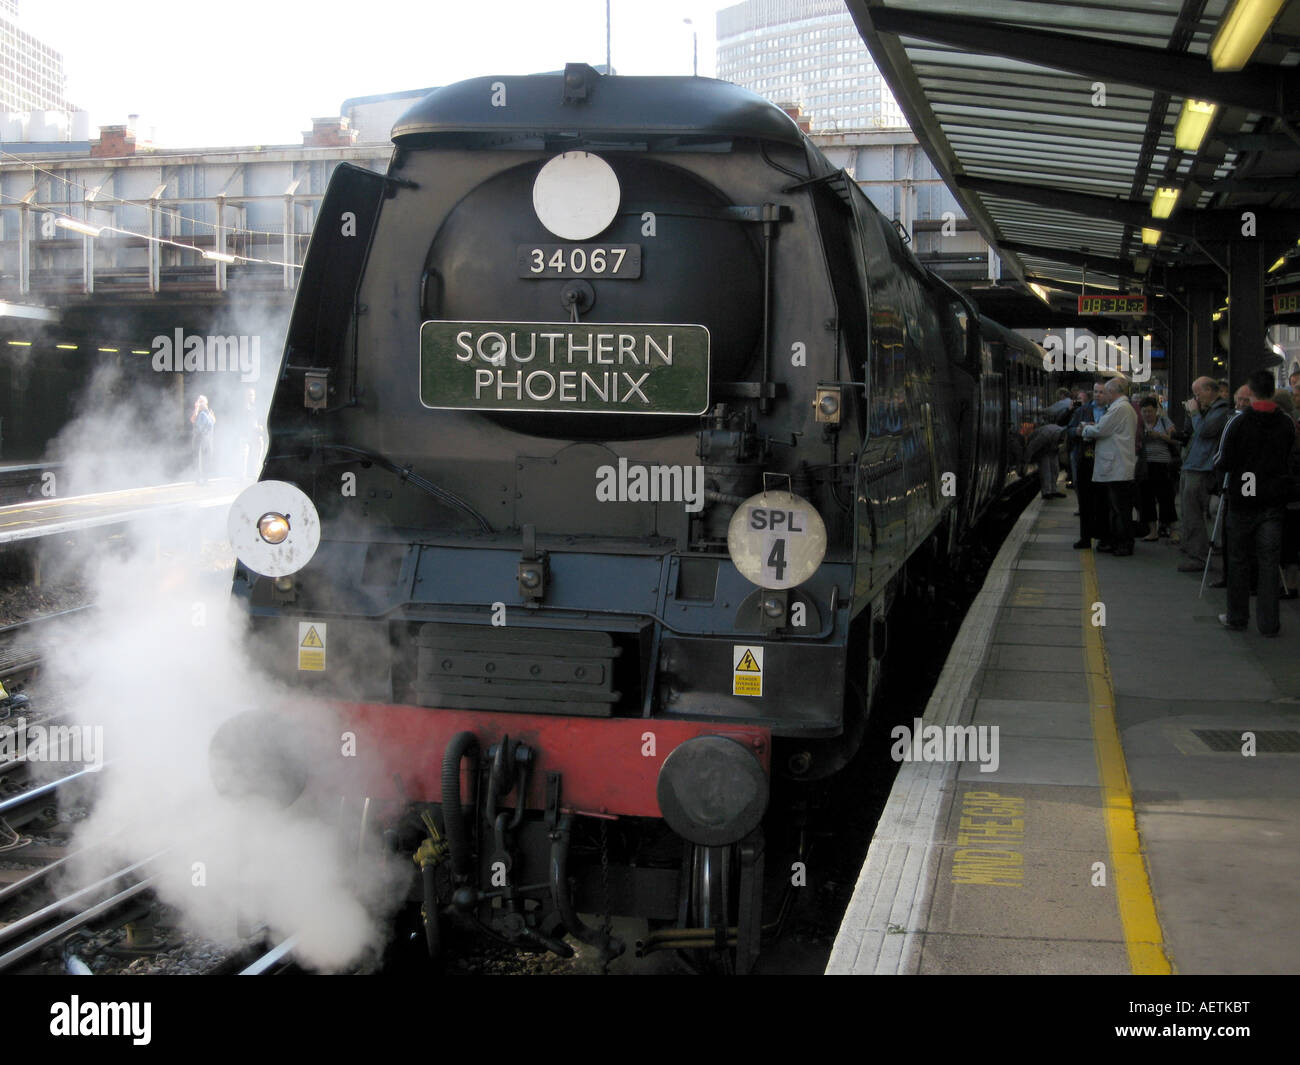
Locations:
(1227, 740)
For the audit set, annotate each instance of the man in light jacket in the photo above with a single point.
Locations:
(1116, 462)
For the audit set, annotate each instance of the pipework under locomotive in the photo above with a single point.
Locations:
(607, 422)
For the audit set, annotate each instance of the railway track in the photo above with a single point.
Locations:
(20, 655)
(25, 931)
(24, 938)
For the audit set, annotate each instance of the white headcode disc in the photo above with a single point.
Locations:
(776, 539)
(273, 497)
(576, 195)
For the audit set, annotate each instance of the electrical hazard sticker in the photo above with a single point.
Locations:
(746, 670)
(311, 645)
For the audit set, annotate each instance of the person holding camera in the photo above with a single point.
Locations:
(204, 422)
(1209, 414)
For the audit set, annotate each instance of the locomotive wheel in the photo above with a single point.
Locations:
(714, 901)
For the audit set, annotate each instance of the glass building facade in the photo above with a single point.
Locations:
(806, 52)
(31, 72)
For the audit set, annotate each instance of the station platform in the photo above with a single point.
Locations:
(1126, 828)
(51, 517)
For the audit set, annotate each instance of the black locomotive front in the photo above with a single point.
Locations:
(586, 396)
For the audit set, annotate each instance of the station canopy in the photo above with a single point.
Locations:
(1055, 123)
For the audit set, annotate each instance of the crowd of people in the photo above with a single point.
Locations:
(1227, 484)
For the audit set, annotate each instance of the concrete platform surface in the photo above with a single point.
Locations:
(54, 516)
(1112, 782)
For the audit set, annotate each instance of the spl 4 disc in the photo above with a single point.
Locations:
(776, 539)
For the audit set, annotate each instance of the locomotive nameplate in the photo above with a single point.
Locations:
(578, 367)
(593, 261)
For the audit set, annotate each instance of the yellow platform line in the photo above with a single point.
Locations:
(1143, 936)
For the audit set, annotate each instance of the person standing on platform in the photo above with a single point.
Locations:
(1209, 413)
(253, 439)
(1043, 446)
(1060, 411)
(1092, 523)
(1157, 489)
(1115, 463)
(1255, 459)
(1291, 516)
(204, 422)
(1072, 447)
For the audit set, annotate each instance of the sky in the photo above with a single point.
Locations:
(258, 71)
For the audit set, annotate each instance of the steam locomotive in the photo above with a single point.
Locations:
(609, 422)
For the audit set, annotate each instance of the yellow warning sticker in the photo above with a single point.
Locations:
(311, 645)
(746, 670)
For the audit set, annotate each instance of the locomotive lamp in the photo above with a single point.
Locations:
(827, 405)
(531, 570)
(273, 528)
(315, 389)
(264, 538)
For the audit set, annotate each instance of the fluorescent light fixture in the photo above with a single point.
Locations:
(141, 351)
(20, 343)
(111, 351)
(1193, 124)
(1150, 236)
(1241, 31)
(1281, 261)
(1216, 315)
(66, 347)
(79, 227)
(1040, 292)
(218, 256)
(1162, 203)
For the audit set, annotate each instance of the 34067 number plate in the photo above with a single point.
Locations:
(622, 261)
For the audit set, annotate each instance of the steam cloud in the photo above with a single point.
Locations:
(160, 666)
